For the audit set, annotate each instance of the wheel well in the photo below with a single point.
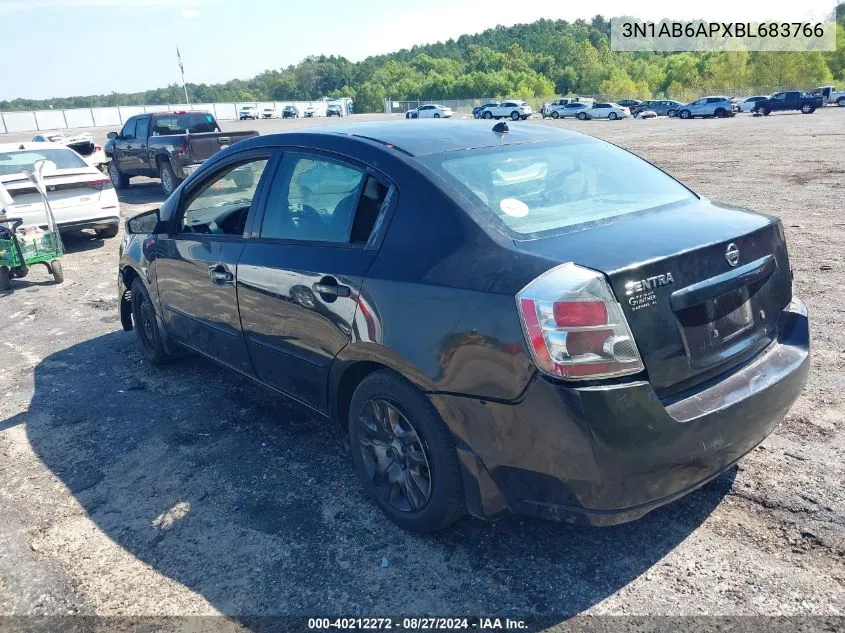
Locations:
(349, 381)
(161, 159)
(128, 274)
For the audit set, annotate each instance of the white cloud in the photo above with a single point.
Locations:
(190, 13)
(13, 6)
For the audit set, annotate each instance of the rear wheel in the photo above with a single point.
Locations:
(582, 116)
(807, 108)
(765, 111)
(721, 113)
(118, 179)
(404, 454)
(169, 181)
(671, 113)
(108, 232)
(144, 320)
(436, 115)
(555, 114)
(841, 102)
(515, 116)
(5, 278)
(612, 116)
(58, 271)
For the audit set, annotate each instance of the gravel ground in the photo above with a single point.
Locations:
(131, 490)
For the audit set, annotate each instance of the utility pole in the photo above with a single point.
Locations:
(182, 70)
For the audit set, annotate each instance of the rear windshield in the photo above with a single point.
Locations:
(536, 188)
(16, 162)
(195, 123)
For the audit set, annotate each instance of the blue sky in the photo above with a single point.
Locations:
(53, 48)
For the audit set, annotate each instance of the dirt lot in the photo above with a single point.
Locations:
(126, 489)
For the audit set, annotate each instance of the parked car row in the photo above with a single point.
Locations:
(250, 112)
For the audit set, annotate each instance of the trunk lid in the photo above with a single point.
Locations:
(692, 313)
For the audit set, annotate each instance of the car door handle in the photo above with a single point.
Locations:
(331, 289)
(220, 275)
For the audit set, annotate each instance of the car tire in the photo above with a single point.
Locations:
(57, 270)
(383, 403)
(841, 102)
(169, 181)
(671, 114)
(581, 116)
(118, 179)
(555, 114)
(108, 232)
(612, 116)
(807, 108)
(765, 111)
(5, 278)
(146, 326)
(515, 116)
(720, 113)
(436, 115)
(684, 114)
(487, 114)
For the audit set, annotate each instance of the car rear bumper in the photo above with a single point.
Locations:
(611, 453)
(93, 223)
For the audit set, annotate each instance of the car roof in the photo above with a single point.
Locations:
(32, 145)
(421, 137)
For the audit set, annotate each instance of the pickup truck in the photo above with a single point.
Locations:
(830, 95)
(792, 100)
(167, 145)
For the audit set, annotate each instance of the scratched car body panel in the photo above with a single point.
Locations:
(597, 339)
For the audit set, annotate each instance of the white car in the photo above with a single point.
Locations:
(610, 111)
(82, 144)
(569, 109)
(430, 111)
(80, 196)
(269, 112)
(748, 105)
(515, 110)
(247, 112)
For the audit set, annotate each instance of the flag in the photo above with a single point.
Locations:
(179, 60)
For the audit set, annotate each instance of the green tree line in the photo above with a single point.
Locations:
(540, 59)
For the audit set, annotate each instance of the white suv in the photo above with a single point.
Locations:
(516, 110)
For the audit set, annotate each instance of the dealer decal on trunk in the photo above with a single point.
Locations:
(641, 292)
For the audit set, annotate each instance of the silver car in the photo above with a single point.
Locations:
(709, 107)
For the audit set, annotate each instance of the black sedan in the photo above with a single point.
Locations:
(524, 319)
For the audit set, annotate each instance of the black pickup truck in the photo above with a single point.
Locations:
(167, 145)
(792, 100)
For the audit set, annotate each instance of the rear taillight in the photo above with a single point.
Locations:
(97, 148)
(575, 327)
(100, 183)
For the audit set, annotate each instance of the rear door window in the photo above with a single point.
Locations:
(143, 128)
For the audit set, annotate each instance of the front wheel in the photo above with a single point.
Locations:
(807, 108)
(169, 181)
(488, 115)
(582, 116)
(515, 116)
(436, 115)
(841, 102)
(765, 111)
(146, 326)
(118, 179)
(671, 114)
(684, 114)
(555, 114)
(404, 455)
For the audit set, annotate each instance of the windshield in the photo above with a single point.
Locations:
(194, 123)
(16, 162)
(532, 189)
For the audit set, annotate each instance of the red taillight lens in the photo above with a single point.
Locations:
(97, 148)
(100, 183)
(575, 327)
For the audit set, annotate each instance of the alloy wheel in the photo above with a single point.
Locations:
(395, 455)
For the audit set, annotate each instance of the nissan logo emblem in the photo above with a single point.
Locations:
(732, 254)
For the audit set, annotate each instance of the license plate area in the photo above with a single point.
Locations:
(721, 327)
(728, 317)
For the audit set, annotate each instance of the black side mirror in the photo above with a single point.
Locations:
(111, 135)
(144, 223)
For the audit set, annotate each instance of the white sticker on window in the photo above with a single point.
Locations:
(514, 208)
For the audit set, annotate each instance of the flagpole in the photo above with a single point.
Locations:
(182, 70)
